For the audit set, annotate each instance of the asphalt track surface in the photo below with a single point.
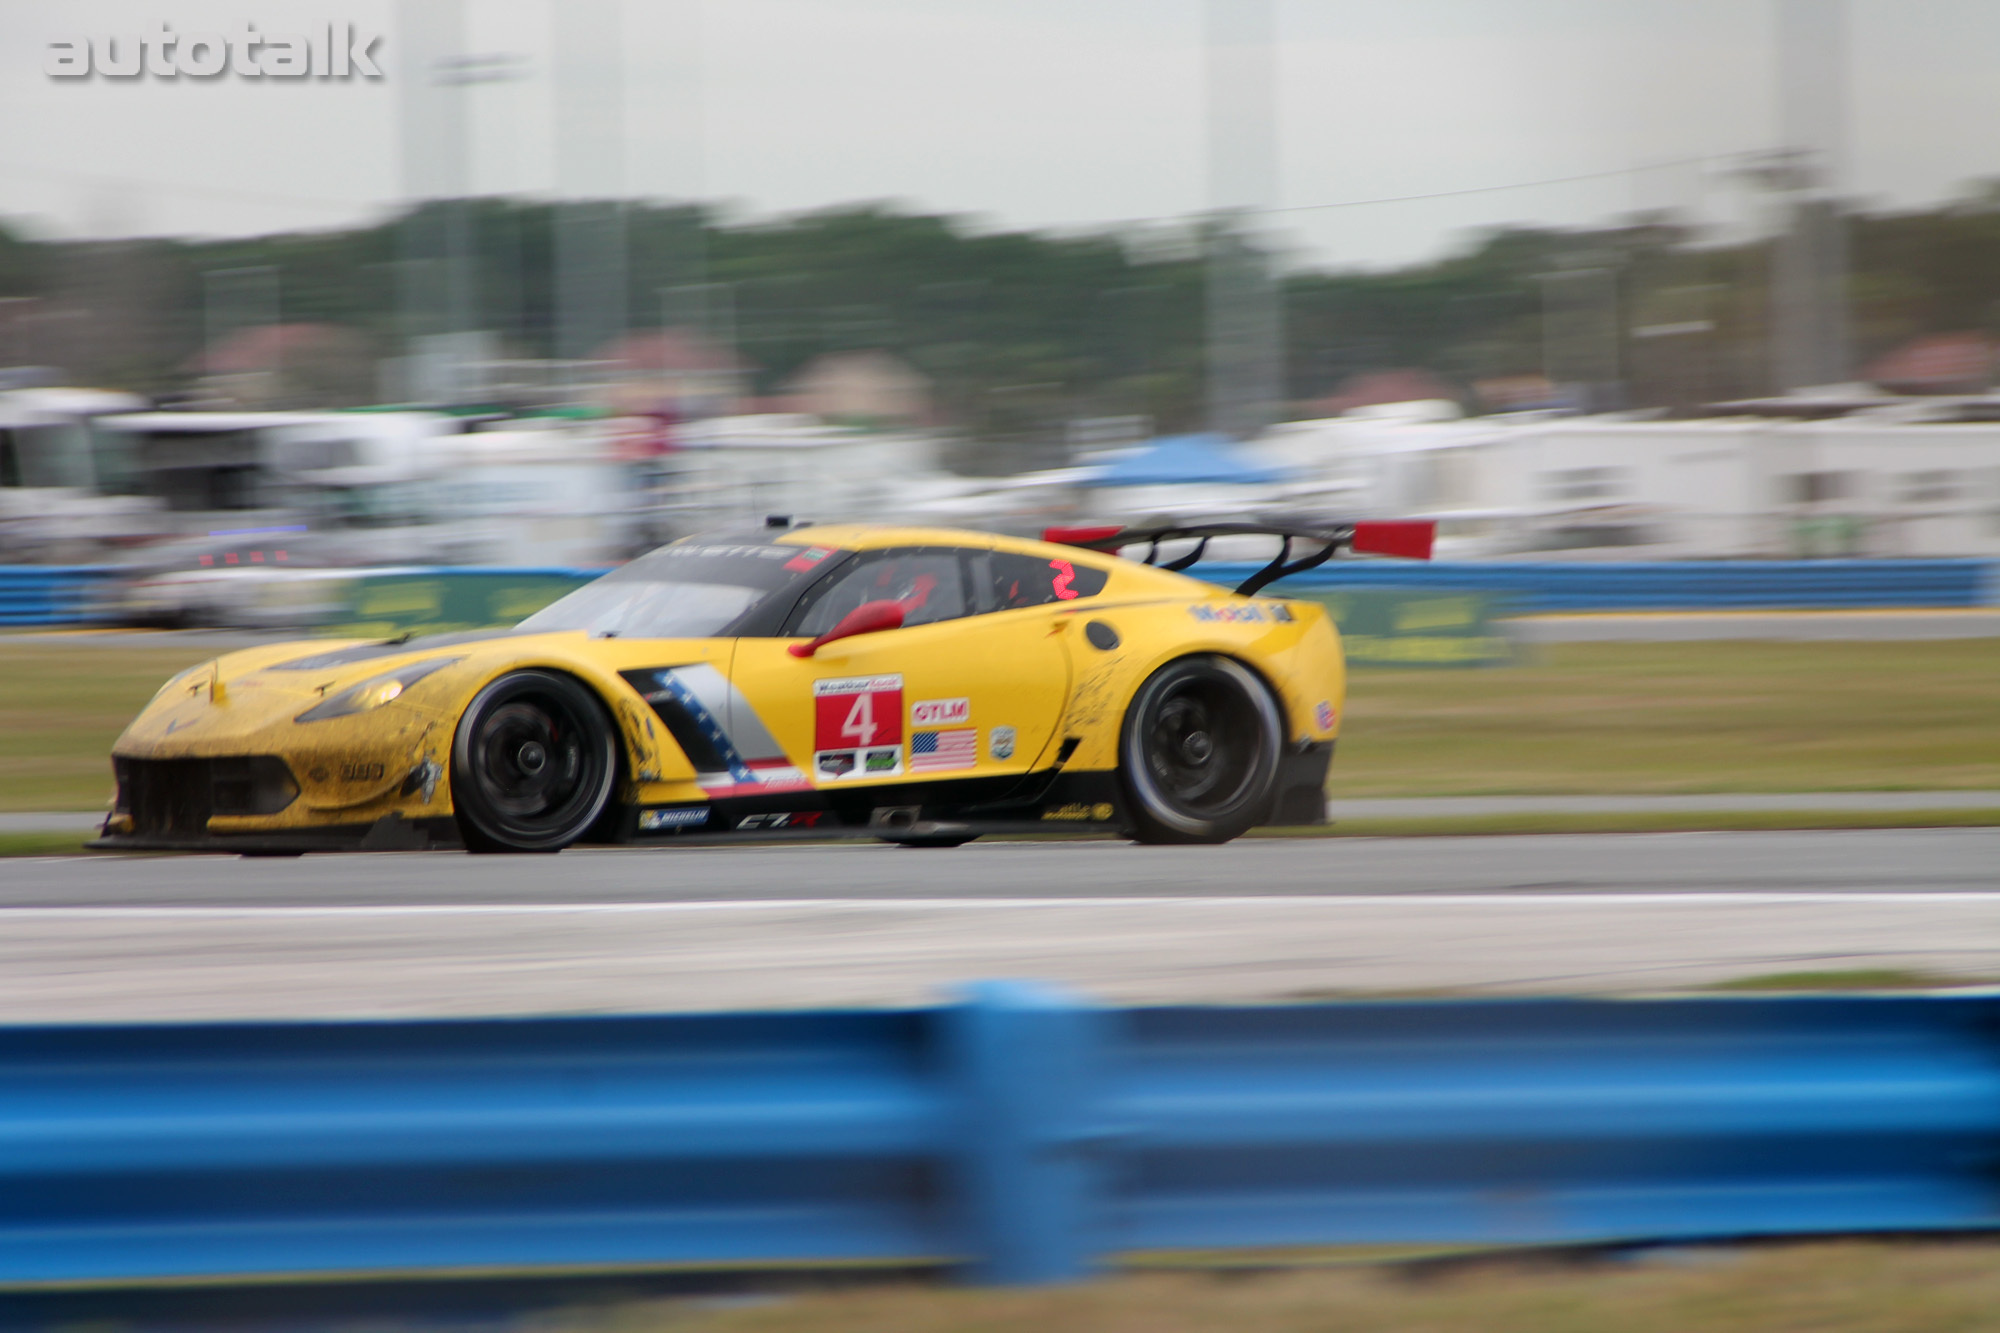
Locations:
(153, 939)
(1432, 807)
(1884, 861)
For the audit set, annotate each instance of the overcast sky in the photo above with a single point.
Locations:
(1025, 113)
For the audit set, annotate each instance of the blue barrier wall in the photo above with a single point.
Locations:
(1020, 1134)
(53, 595)
(45, 594)
(1676, 585)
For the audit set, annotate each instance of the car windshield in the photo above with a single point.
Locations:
(679, 592)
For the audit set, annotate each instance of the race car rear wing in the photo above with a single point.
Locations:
(1408, 538)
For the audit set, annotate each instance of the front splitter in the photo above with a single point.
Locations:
(390, 833)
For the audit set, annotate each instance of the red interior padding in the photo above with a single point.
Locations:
(1408, 538)
(1082, 536)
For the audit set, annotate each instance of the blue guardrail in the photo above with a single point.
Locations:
(1019, 1134)
(54, 594)
(46, 594)
(1667, 585)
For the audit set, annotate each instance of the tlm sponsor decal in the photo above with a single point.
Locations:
(325, 50)
(940, 712)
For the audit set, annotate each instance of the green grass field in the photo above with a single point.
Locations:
(1681, 717)
(1638, 821)
(1939, 1286)
(1587, 718)
(62, 702)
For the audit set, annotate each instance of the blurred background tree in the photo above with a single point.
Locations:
(1020, 335)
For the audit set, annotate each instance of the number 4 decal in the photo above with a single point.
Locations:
(858, 728)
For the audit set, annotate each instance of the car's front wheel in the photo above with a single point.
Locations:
(1199, 751)
(533, 764)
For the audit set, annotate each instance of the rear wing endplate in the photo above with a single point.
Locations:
(1409, 538)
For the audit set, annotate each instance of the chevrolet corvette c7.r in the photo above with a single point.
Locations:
(923, 686)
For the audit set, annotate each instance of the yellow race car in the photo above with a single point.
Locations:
(918, 685)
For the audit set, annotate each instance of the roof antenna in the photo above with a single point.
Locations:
(777, 520)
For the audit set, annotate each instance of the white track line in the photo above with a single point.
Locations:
(1694, 898)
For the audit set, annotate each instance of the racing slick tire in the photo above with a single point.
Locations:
(1198, 752)
(533, 764)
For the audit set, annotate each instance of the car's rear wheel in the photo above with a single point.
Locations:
(1199, 751)
(533, 764)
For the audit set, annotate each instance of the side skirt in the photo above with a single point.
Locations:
(1040, 803)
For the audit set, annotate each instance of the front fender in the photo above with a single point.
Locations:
(648, 753)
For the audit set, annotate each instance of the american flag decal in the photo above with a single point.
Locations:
(957, 748)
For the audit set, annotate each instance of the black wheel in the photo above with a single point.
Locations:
(937, 840)
(532, 765)
(1199, 751)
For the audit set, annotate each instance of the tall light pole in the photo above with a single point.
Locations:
(1809, 272)
(590, 179)
(463, 72)
(1245, 328)
(434, 292)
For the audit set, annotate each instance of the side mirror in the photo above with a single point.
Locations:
(867, 618)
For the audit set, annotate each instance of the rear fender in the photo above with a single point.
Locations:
(1296, 651)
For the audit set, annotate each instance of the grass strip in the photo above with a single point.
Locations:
(43, 844)
(1833, 981)
(1930, 1286)
(62, 703)
(1572, 718)
(1468, 826)
(1681, 717)
(1849, 980)
(1667, 821)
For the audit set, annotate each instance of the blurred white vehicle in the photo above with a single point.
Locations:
(275, 579)
(56, 504)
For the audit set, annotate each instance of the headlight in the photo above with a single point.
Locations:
(374, 692)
